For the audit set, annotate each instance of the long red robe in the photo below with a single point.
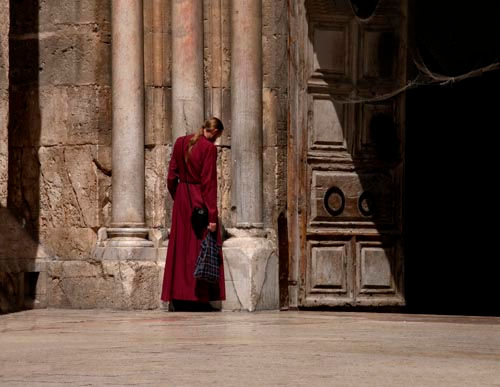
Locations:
(183, 246)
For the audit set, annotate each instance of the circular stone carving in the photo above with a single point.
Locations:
(334, 201)
(366, 204)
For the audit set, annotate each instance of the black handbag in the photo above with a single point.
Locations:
(207, 264)
(199, 216)
(199, 220)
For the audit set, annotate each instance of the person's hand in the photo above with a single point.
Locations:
(212, 226)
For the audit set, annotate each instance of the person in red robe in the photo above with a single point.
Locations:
(199, 171)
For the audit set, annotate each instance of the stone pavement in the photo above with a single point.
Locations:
(98, 347)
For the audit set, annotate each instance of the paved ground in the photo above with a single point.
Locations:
(88, 347)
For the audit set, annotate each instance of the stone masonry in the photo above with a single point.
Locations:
(56, 154)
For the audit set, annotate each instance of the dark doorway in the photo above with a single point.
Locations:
(451, 167)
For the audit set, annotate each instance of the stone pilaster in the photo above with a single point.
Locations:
(187, 67)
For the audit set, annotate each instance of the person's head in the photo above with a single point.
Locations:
(212, 128)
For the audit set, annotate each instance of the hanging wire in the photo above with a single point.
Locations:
(425, 77)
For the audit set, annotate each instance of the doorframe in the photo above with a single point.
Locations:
(297, 113)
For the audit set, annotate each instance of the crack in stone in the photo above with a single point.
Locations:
(61, 286)
(184, 117)
(234, 286)
(74, 191)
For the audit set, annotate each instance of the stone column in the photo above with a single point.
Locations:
(246, 111)
(187, 67)
(250, 259)
(128, 122)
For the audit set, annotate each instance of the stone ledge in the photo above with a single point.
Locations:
(23, 265)
(114, 253)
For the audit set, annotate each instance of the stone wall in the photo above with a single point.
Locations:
(59, 137)
(59, 130)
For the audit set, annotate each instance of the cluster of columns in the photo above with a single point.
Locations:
(128, 220)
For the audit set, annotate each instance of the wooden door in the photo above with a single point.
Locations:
(346, 153)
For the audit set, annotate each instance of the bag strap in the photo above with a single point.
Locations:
(185, 172)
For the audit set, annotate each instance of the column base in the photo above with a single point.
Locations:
(251, 271)
(128, 237)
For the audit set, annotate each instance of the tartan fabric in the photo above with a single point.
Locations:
(207, 264)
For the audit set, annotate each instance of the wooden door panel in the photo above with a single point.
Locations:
(378, 50)
(330, 50)
(379, 131)
(352, 155)
(361, 199)
(379, 272)
(329, 276)
(328, 120)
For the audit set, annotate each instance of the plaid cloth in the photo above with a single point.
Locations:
(207, 264)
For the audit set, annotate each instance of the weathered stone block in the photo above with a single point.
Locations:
(68, 243)
(225, 139)
(157, 199)
(16, 244)
(275, 43)
(105, 284)
(224, 193)
(226, 42)
(44, 15)
(54, 12)
(104, 194)
(251, 273)
(270, 116)
(68, 187)
(74, 55)
(269, 186)
(74, 115)
(111, 253)
(23, 185)
(157, 42)
(23, 263)
(24, 116)
(69, 115)
(274, 183)
(157, 64)
(81, 172)
(158, 115)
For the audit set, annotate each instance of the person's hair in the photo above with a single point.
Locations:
(210, 125)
